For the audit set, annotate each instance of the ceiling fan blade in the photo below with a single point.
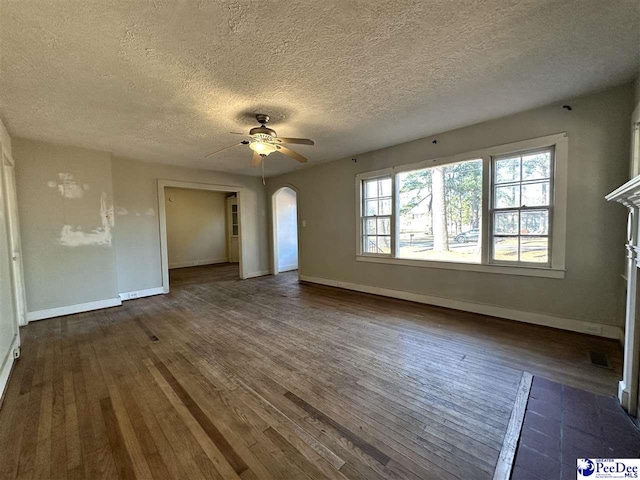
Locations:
(257, 158)
(238, 133)
(222, 150)
(291, 153)
(300, 141)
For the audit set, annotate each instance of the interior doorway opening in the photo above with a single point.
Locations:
(203, 231)
(200, 230)
(285, 230)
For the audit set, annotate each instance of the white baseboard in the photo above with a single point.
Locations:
(71, 309)
(260, 273)
(141, 293)
(5, 369)
(288, 268)
(580, 326)
(197, 263)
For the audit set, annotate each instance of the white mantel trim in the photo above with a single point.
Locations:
(629, 196)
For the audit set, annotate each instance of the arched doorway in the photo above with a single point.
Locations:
(285, 230)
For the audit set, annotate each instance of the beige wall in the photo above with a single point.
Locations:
(196, 227)
(64, 200)
(138, 233)
(100, 234)
(592, 291)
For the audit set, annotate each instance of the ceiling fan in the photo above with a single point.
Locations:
(264, 140)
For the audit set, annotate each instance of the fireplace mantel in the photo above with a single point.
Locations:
(629, 196)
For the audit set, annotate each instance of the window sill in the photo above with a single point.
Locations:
(469, 267)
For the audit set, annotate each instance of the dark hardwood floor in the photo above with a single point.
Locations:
(269, 378)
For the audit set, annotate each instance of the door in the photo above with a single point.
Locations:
(17, 274)
(8, 322)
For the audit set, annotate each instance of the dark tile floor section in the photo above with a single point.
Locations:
(563, 424)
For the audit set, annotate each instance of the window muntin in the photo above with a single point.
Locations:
(440, 213)
(376, 218)
(521, 213)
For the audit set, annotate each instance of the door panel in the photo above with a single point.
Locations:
(11, 199)
(8, 323)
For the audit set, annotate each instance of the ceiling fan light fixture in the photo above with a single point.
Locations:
(262, 148)
(264, 140)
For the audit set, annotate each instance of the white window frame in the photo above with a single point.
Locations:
(386, 173)
(557, 228)
(392, 216)
(493, 209)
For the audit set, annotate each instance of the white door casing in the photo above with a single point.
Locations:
(9, 335)
(17, 270)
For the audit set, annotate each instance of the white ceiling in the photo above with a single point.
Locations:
(166, 81)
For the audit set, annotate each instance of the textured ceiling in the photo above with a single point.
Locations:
(167, 81)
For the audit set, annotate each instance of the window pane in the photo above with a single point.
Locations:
(376, 244)
(536, 166)
(534, 222)
(384, 207)
(234, 230)
(505, 223)
(369, 245)
(457, 215)
(385, 187)
(534, 194)
(505, 249)
(371, 188)
(534, 249)
(507, 196)
(370, 226)
(371, 208)
(384, 226)
(508, 170)
(384, 244)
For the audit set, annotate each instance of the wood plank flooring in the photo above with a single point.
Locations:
(269, 378)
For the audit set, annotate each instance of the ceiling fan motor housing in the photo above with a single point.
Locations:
(263, 131)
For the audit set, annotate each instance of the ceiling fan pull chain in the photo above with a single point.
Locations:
(262, 163)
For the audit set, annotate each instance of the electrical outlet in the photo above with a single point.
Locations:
(133, 295)
(16, 353)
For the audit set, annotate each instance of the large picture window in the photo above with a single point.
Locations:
(493, 208)
(440, 209)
